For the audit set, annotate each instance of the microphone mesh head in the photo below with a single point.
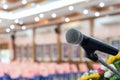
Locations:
(74, 36)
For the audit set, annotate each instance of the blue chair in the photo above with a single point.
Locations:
(66, 76)
(30, 78)
(6, 77)
(54, 77)
(50, 77)
(57, 76)
(1, 77)
(76, 75)
(36, 77)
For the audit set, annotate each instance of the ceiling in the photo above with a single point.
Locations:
(14, 14)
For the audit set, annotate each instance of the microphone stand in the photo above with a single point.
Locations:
(109, 67)
(94, 57)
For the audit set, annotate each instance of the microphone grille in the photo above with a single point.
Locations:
(74, 36)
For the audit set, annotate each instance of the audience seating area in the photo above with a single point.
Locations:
(40, 71)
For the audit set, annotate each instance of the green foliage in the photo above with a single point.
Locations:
(117, 64)
(114, 77)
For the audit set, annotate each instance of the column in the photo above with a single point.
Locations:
(92, 27)
(58, 42)
(33, 45)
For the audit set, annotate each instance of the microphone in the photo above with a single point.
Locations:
(90, 45)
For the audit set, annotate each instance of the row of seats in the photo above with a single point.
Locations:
(40, 71)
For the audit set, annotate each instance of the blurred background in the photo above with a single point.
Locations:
(34, 30)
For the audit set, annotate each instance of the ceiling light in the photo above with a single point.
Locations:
(23, 27)
(70, 8)
(85, 11)
(41, 9)
(67, 19)
(24, 1)
(97, 14)
(37, 19)
(101, 4)
(41, 15)
(16, 20)
(7, 30)
(12, 26)
(53, 15)
(5, 6)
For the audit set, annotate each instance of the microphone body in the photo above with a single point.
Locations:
(88, 43)
(93, 44)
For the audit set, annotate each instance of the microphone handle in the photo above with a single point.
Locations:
(109, 67)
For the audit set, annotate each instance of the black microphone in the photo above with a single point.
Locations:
(90, 45)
